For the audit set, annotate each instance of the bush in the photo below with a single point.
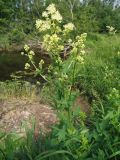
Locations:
(16, 36)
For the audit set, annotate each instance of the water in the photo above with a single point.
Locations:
(10, 63)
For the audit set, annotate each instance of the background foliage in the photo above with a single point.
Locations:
(87, 15)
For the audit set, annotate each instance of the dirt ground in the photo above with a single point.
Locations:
(14, 114)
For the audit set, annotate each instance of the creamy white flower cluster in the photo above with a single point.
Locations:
(30, 54)
(51, 14)
(42, 25)
(69, 27)
(108, 73)
(78, 48)
(52, 43)
(111, 29)
(27, 66)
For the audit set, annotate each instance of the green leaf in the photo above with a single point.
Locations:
(114, 154)
(52, 153)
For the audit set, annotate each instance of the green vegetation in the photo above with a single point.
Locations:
(87, 15)
(90, 68)
(17, 89)
(101, 69)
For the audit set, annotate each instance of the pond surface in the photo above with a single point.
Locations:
(10, 63)
(13, 62)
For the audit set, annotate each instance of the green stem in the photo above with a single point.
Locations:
(73, 81)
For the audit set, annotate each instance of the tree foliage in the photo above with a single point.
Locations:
(87, 15)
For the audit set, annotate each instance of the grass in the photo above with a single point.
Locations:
(101, 69)
(17, 89)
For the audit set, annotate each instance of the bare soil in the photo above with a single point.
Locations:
(15, 113)
(83, 103)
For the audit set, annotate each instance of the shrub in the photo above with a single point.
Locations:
(16, 36)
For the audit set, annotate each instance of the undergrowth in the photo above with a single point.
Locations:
(18, 89)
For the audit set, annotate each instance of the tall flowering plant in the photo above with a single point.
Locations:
(61, 73)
